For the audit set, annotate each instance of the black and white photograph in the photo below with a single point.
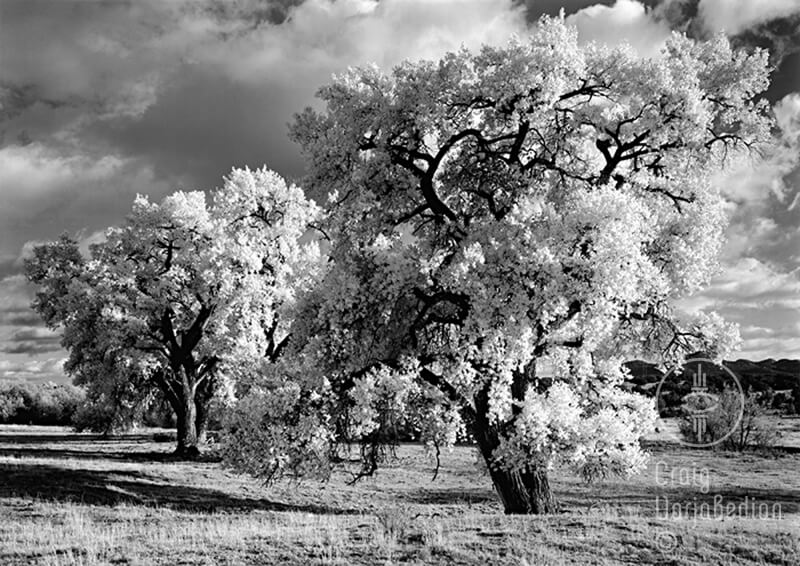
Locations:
(400, 282)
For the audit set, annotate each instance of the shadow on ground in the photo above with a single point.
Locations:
(84, 478)
(25, 479)
(121, 448)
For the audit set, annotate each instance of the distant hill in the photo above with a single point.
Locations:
(759, 376)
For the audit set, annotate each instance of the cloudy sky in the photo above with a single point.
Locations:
(100, 100)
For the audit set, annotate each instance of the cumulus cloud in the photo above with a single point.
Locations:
(29, 350)
(49, 369)
(101, 100)
(763, 300)
(47, 190)
(776, 340)
(787, 114)
(151, 96)
(626, 21)
(735, 16)
(762, 192)
(749, 282)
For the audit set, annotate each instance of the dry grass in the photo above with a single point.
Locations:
(73, 499)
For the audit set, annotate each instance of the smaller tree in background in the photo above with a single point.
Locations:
(183, 298)
(735, 422)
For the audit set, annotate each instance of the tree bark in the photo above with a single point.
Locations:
(522, 492)
(187, 430)
(186, 413)
(202, 398)
(201, 421)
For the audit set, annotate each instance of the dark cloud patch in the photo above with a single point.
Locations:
(204, 124)
(37, 334)
(536, 8)
(22, 317)
(32, 340)
(786, 79)
(257, 12)
(30, 348)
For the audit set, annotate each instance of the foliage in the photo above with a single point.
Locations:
(736, 422)
(495, 213)
(39, 404)
(182, 299)
(106, 415)
(274, 430)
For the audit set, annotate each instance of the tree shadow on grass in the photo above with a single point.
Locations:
(130, 456)
(121, 448)
(23, 479)
(17, 438)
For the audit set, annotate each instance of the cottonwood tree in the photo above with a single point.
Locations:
(183, 298)
(491, 213)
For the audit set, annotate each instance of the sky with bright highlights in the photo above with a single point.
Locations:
(101, 100)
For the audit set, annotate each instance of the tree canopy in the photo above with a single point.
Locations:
(506, 228)
(503, 229)
(184, 298)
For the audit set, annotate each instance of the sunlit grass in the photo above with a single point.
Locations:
(77, 501)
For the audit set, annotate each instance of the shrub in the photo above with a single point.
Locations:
(753, 429)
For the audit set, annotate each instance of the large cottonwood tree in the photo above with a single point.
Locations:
(490, 213)
(183, 297)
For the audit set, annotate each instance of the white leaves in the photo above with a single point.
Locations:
(485, 211)
(181, 284)
(596, 435)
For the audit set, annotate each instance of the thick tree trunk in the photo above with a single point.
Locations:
(525, 492)
(187, 427)
(202, 399)
(201, 421)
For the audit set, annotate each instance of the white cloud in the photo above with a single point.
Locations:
(749, 282)
(787, 114)
(735, 16)
(763, 300)
(79, 187)
(626, 21)
(48, 369)
(323, 36)
(29, 173)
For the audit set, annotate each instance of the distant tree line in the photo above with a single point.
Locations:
(57, 404)
(39, 403)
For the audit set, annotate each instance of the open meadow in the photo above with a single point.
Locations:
(69, 498)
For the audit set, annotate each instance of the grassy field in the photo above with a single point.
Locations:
(77, 499)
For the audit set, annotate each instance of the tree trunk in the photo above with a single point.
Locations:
(202, 400)
(524, 492)
(201, 421)
(187, 427)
